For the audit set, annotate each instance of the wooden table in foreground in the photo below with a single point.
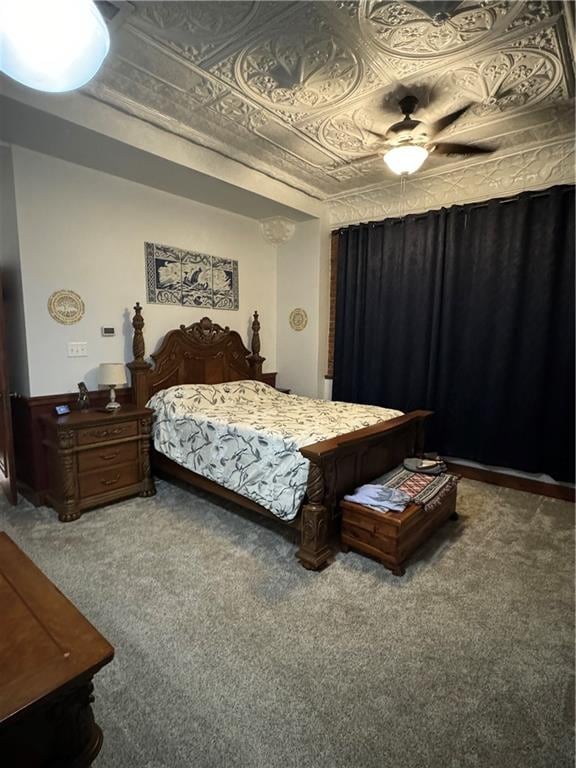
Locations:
(48, 655)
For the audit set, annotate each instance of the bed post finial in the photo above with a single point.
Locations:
(254, 360)
(138, 347)
(139, 368)
(256, 335)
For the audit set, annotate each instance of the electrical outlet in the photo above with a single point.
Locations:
(77, 349)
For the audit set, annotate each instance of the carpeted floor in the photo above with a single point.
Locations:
(229, 654)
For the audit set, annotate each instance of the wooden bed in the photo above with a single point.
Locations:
(207, 353)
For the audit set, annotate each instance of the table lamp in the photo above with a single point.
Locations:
(112, 375)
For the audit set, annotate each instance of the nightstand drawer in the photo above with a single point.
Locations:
(107, 455)
(103, 480)
(108, 432)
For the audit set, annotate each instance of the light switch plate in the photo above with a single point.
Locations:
(77, 349)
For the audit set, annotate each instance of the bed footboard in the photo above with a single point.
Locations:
(314, 552)
(339, 465)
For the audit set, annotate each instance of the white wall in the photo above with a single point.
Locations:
(81, 129)
(85, 230)
(303, 281)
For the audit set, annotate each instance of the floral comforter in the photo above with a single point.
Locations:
(246, 436)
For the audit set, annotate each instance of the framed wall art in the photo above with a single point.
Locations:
(189, 278)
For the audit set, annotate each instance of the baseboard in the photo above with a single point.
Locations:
(539, 487)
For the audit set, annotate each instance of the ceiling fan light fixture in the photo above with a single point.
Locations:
(52, 46)
(405, 159)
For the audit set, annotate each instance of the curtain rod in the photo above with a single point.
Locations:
(484, 204)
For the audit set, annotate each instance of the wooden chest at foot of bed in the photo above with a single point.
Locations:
(392, 537)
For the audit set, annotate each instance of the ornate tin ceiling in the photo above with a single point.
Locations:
(293, 88)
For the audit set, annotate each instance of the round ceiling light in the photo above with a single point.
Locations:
(406, 158)
(55, 45)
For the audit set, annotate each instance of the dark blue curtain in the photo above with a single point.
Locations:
(467, 311)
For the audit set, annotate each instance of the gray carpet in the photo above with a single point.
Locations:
(228, 653)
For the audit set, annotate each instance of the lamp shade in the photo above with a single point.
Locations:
(112, 374)
(52, 45)
(406, 158)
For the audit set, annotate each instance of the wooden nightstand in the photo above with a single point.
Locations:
(97, 457)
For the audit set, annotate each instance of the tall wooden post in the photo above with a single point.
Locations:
(314, 552)
(139, 367)
(254, 360)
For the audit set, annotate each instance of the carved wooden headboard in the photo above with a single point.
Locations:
(201, 353)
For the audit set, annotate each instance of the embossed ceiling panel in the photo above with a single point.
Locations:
(315, 70)
(195, 29)
(294, 89)
(534, 167)
(430, 30)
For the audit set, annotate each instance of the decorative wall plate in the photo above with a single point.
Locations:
(298, 319)
(66, 307)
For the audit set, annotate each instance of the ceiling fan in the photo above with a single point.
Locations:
(409, 142)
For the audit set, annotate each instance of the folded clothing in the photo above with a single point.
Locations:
(381, 498)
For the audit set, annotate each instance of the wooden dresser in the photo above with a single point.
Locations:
(48, 655)
(97, 457)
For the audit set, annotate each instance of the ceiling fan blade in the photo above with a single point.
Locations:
(374, 133)
(461, 149)
(447, 120)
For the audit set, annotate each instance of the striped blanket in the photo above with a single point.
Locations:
(427, 490)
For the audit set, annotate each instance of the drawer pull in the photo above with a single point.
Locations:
(113, 481)
(109, 456)
(107, 432)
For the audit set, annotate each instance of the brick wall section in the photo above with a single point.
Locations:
(332, 320)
